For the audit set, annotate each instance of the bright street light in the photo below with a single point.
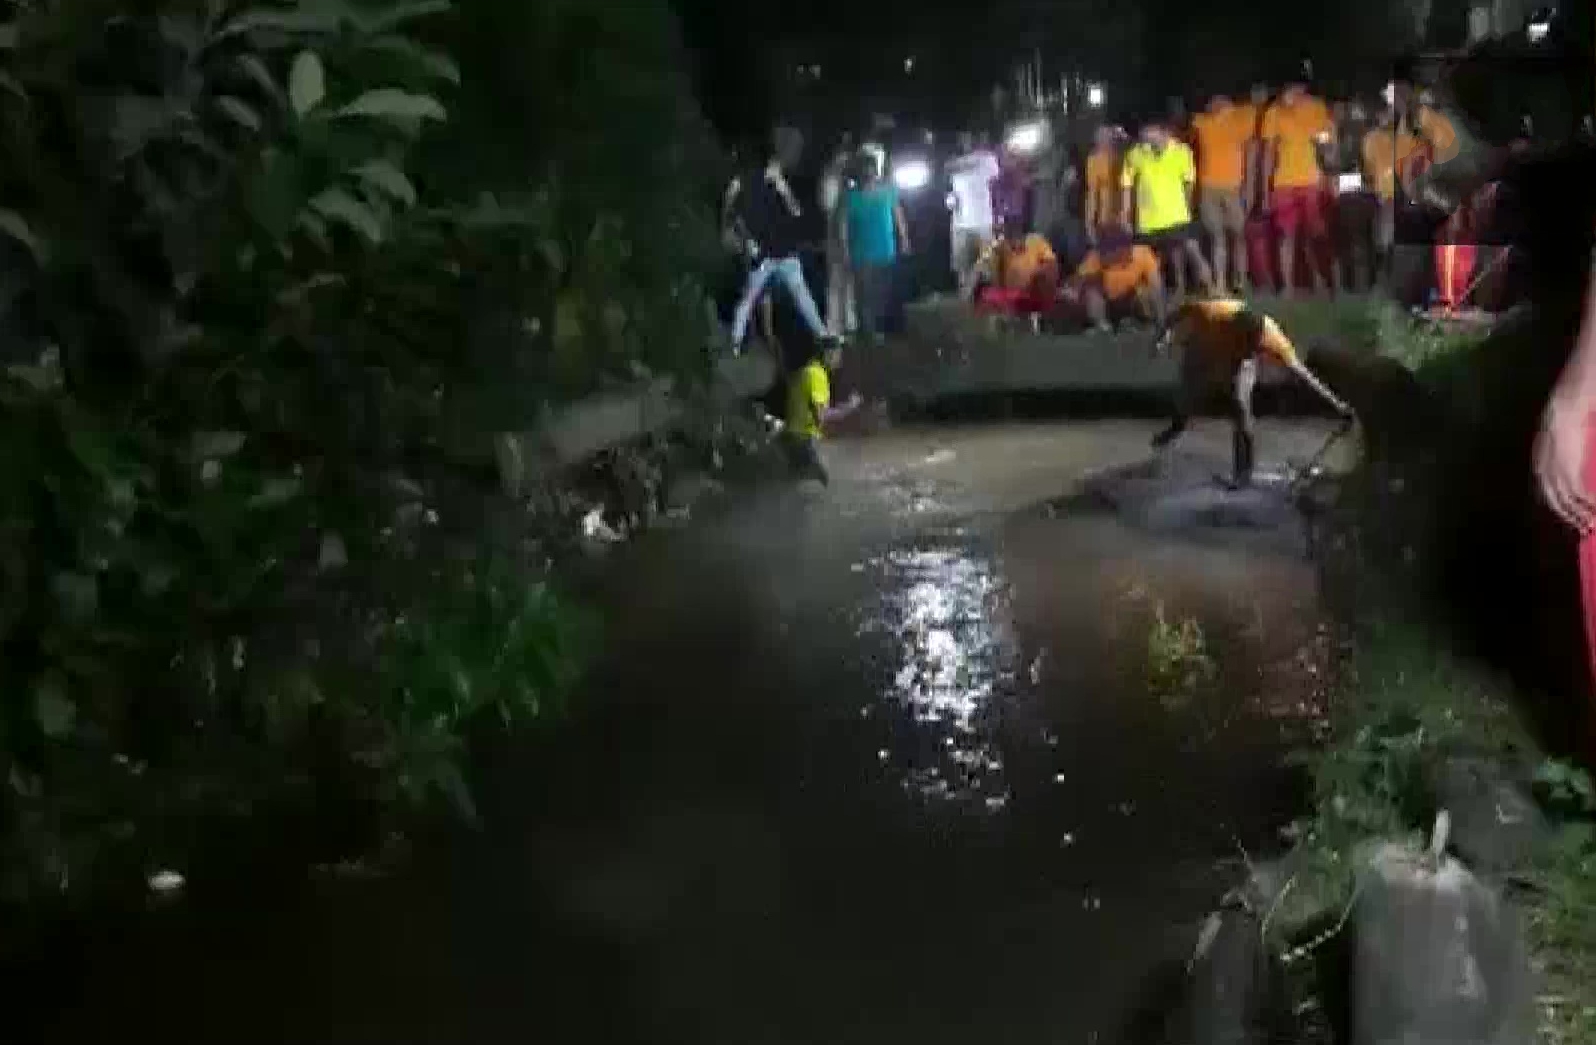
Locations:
(1539, 24)
(1027, 137)
(911, 175)
(1094, 95)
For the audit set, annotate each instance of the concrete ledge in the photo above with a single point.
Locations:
(952, 351)
(580, 430)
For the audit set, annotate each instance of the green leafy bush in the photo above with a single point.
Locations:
(264, 270)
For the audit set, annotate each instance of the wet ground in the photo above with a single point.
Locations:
(944, 754)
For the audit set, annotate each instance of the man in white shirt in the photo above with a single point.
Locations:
(970, 202)
(842, 310)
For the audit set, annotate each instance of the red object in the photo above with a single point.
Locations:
(1454, 272)
(1263, 255)
(1299, 210)
(1012, 302)
(1587, 590)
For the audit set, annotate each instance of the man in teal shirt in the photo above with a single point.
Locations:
(875, 232)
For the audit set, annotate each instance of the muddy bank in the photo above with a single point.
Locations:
(925, 757)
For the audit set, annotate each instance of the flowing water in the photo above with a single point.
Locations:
(930, 757)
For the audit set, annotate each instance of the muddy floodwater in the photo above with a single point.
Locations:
(940, 755)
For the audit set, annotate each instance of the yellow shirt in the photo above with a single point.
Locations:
(1222, 139)
(1384, 152)
(1137, 270)
(1296, 132)
(808, 393)
(1162, 181)
(1213, 329)
(1102, 188)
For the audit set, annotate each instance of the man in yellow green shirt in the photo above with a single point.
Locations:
(1158, 179)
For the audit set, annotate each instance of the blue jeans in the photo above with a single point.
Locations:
(875, 294)
(789, 272)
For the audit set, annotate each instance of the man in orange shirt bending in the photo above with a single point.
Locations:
(1223, 135)
(1221, 342)
(1294, 130)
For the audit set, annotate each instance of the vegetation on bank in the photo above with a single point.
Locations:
(271, 270)
(1392, 542)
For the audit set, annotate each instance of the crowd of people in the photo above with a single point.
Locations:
(1275, 191)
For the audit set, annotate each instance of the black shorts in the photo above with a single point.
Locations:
(1168, 239)
(803, 455)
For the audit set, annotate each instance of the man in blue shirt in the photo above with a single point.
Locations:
(875, 231)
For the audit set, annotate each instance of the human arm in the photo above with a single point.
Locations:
(1309, 378)
(1127, 189)
(1268, 151)
(1565, 425)
(842, 411)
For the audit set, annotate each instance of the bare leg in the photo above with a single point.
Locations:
(1221, 260)
(1175, 258)
(1288, 264)
(1205, 275)
(1243, 448)
(1096, 308)
(1243, 280)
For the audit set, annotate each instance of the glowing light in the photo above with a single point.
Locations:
(1536, 31)
(911, 175)
(1027, 137)
(1095, 95)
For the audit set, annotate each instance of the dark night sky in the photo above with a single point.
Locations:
(1143, 49)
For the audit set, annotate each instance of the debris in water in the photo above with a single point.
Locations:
(166, 882)
(594, 528)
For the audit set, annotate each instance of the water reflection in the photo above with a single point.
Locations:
(944, 611)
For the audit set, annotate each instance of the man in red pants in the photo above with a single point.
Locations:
(1565, 468)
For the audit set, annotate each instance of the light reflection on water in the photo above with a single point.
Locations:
(944, 613)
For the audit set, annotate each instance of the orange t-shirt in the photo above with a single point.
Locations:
(1222, 139)
(1213, 329)
(1440, 137)
(1123, 277)
(1015, 265)
(1296, 131)
(1385, 151)
(1102, 188)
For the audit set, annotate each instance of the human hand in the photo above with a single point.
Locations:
(1560, 464)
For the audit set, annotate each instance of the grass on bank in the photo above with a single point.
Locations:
(1408, 703)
